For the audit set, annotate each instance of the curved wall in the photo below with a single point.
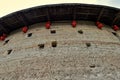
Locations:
(61, 52)
(89, 55)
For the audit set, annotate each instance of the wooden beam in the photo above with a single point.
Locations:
(100, 14)
(88, 13)
(47, 13)
(23, 18)
(74, 13)
(116, 17)
(4, 29)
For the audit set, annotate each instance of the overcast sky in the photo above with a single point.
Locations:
(9, 6)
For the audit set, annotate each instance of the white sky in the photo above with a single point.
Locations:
(9, 6)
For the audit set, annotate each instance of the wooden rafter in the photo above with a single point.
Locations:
(116, 17)
(100, 14)
(74, 13)
(23, 18)
(4, 29)
(47, 13)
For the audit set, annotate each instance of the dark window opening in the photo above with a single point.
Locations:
(114, 33)
(9, 51)
(92, 66)
(53, 31)
(30, 34)
(6, 42)
(41, 46)
(88, 44)
(54, 44)
(80, 31)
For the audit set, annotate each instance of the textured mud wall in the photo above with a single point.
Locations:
(81, 53)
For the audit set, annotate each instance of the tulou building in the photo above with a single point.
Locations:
(61, 42)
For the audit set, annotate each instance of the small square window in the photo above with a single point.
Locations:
(80, 31)
(54, 44)
(114, 33)
(6, 42)
(29, 35)
(9, 51)
(88, 44)
(53, 31)
(92, 66)
(41, 46)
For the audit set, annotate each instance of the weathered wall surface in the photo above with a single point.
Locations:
(91, 55)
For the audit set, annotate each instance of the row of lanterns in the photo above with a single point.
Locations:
(48, 24)
(100, 26)
(74, 23)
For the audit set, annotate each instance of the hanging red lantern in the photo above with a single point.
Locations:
(115, 27)
(97, 23)
(100, 25)
(49, 22)
(4, 35)
(47, 25)
(25, 29)
(2, 38)
(74, 23)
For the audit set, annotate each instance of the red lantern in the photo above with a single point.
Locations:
(25, 29)
(4, 35)
(47, 25)
(74, 23)
(100, 25)
(115, 27)
(97, 23)
(49, 22)
(2, 38)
